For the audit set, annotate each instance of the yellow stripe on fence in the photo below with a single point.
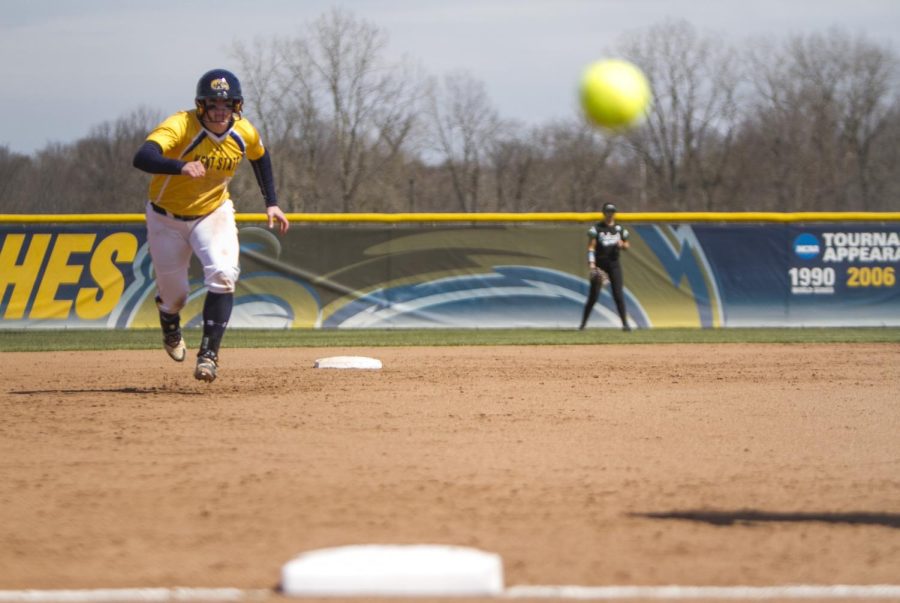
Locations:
(652, 217)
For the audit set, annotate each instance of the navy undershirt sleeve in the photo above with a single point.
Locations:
(262, 169)
(149, 158)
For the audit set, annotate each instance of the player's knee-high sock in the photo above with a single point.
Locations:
(170, 323)
(216, 312)
(593, 294)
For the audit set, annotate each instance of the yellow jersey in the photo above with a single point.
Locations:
(182, 136)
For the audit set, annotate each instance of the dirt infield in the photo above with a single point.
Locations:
(589, 465)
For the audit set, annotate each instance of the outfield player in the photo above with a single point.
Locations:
(607, 239)
(192, 156)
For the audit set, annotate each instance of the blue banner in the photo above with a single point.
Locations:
(806, 275)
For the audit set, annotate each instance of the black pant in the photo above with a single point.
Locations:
(614, 271)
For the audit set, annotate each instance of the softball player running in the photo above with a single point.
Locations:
(192, 156)
(606, 239)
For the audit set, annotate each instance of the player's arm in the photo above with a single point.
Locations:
(149, 158)
(591, 254)
(596, 273)
(265, 178)
(623, 242)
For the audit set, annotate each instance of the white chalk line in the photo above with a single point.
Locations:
(793, 591)
(583, 593)
(126, 595)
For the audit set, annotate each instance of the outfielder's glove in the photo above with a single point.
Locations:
(599, 275)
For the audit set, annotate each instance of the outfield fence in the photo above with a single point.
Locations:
(491, 270)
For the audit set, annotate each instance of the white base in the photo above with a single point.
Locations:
(348, 362)
(393, 570)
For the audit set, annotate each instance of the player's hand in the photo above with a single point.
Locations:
(193, 169)
(274, 214)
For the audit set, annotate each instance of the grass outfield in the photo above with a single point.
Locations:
(38, 340)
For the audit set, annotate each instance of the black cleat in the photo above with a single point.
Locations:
(207, 364)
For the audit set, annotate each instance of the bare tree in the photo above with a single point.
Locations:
(885, 164)
(334, 102)
(512, 157)
(575, 172)
(687, 136)
(14, 170)
(107, 183)
(464, 125)
(807, 123)
(823, 103)
(272, 102)
(871, 99)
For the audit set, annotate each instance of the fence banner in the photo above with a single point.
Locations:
(473, 275)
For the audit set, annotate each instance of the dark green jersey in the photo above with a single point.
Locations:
(607, 237)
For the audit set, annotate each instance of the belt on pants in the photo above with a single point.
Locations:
(164, 212)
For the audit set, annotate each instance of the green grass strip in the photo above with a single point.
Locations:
(38, 340)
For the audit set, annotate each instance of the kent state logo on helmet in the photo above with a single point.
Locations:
(216, 84)
(219, 84)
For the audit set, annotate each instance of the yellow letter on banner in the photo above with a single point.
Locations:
(123, 246)
(59, 272)
(20, 276)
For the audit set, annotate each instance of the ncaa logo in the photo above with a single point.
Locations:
(806, 246)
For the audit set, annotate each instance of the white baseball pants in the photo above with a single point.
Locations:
(212, 238)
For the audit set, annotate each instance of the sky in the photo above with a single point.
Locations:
(69, 65)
